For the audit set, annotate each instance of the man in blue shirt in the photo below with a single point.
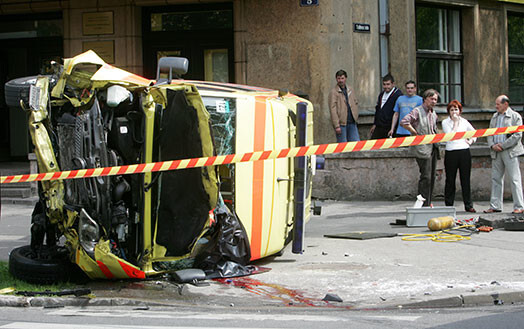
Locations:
(403, 106)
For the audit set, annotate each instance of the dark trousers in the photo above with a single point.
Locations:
(426, 181)
(458, 160)
(380, 132)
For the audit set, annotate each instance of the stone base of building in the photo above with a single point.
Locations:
(393, 175)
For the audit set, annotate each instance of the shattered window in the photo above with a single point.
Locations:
(223, 112)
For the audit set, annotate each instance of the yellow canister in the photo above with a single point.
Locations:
(440, 223)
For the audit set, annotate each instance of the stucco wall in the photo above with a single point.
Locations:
(127, 36)
(492, 59)
(301, 48)
(402, 42)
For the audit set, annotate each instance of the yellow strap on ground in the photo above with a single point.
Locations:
(441, 236)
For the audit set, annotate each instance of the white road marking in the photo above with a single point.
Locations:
(32, 325)
(395, 317)
(4, 237)
(195, 315)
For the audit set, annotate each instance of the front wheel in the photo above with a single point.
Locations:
(51, 266)
(18, 89)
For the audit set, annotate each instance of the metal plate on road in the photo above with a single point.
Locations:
(361, 235)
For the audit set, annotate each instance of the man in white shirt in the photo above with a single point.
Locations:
(384, 108)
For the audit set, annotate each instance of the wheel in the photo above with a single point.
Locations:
(54, 266)
(18, 89)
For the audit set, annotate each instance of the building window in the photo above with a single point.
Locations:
(192, 20)
(439, 51)
(516, 57)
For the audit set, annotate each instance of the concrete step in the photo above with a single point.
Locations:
(16, 185)
(23, 192)
(19, 201)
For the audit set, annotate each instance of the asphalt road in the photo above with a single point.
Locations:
(207, 318)
(15, 221)
(365, 274)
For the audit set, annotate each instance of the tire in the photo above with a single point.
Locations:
(24, 265)
(18, 89)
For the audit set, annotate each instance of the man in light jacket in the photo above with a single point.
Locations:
(505, 151)
(343, 108)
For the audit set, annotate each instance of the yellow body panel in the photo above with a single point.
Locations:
(263, 190)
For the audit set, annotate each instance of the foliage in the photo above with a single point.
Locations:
(516, 35)
(8, 281)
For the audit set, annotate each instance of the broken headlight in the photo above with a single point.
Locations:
(88, 232)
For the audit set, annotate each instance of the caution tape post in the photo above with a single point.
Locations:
(322, 149)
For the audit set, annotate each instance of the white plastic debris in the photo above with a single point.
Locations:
(419, 202)
(117, 94)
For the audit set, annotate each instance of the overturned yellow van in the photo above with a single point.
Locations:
(215, 218)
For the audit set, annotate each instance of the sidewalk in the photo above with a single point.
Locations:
(374, 273)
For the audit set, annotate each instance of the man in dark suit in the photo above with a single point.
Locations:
(384, 108)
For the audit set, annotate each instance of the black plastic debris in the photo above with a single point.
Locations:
(401, 222)
(193, 276)
(67, 292)
(514, 224)
(494, 222)
(227, 253)
(332, 298)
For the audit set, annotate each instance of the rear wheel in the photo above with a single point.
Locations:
(51, 266)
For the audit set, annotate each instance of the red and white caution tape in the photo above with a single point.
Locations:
(366, 145)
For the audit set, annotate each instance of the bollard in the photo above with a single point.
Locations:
(300, 181)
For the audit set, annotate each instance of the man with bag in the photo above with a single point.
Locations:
(423, 121)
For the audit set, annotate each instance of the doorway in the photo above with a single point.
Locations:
(29, 43)
(201, 33)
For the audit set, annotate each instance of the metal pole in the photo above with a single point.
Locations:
(300, 181)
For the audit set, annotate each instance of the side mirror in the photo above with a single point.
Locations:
(173, 66)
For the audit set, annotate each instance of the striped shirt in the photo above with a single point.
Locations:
(499, 139)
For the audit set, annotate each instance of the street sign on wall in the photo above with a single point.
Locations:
(361, 27)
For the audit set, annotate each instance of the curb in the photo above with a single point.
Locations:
(507, 298)
(56, 302)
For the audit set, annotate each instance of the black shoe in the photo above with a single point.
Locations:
(471, 210)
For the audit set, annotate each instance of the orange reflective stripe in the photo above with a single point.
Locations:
(258, 177)
(131, 271)
(105, 269)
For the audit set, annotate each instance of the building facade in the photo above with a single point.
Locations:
(470, 50)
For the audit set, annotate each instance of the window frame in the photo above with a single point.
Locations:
(444, 55)
(514, 58)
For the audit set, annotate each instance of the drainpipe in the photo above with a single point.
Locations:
(383, 16)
